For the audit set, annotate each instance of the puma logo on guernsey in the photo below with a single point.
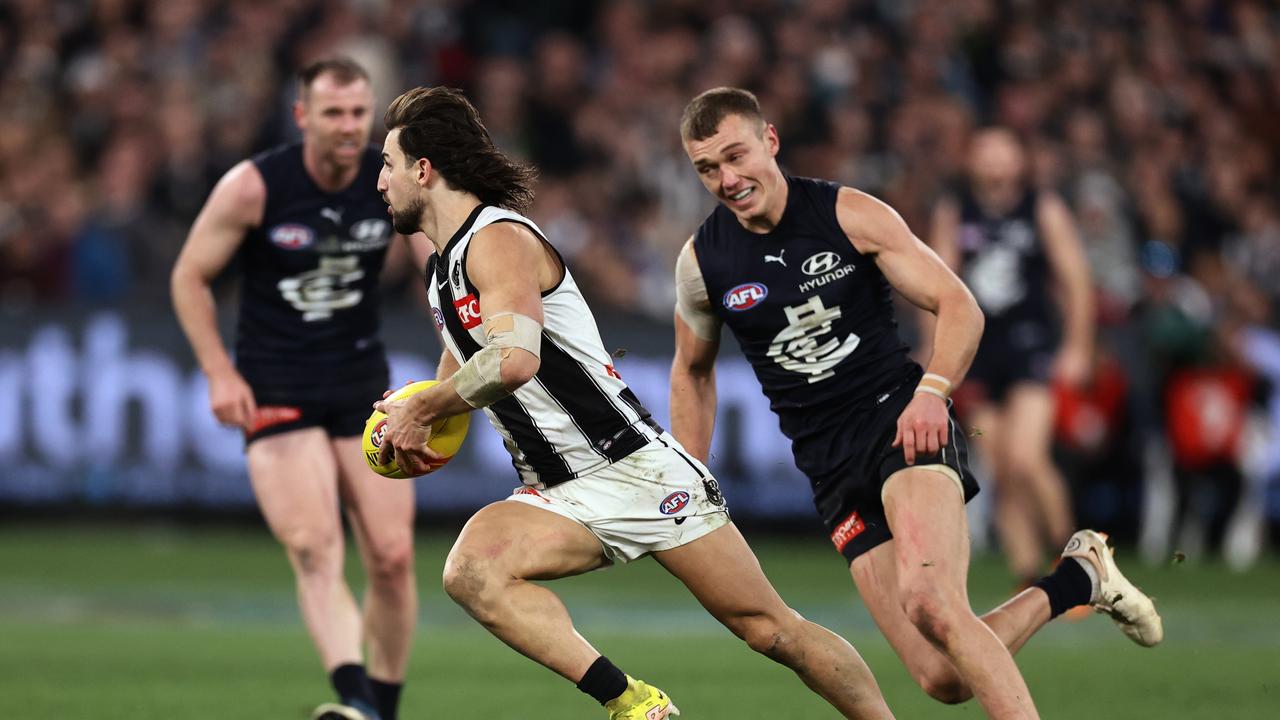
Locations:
(776, 258)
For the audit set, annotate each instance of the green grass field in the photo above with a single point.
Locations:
(166, 622)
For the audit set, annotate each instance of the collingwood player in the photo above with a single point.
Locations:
(601, 482)
(801, 272)
(312, 233)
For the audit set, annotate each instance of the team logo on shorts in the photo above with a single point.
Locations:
(674, 503)
(379, 432)
(292, 236)
(745, 296)
(712, 488)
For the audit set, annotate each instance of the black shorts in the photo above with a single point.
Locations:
(341, 411)
(849, 500)
(1012, 353)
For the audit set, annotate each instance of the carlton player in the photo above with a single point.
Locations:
(1014, 246)
(311, 233)
(800, 271)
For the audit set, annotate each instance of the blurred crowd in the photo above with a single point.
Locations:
(1155, 119)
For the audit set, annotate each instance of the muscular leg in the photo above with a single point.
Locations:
(1015, 519)
(381, 512)
(294, 477)
(488, 573)
(875, 574)
(1029, 413)
(724, 575)
(931, 557)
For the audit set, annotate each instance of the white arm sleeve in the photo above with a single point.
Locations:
(692, 304)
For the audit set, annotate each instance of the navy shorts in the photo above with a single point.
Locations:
(1012, 353)
(340, 411)
(849, 499)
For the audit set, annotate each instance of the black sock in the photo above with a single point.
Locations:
(351, 683)
(603, 681)
(1067, 586)
(387, 695)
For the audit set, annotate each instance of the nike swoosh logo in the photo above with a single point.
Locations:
(443, 285)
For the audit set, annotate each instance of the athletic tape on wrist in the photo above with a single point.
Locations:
(931, 390)
(946, 383)
(479, 380)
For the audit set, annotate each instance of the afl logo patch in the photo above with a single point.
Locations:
(379, 432)
(745, 296)
(292, 236)
(674, 503)
(820, 263)
(439, 317)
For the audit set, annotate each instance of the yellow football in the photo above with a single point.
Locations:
(446, 435)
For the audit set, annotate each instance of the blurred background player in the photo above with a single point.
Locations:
(603, 483)
(801, 271)
(1018, 251)
(311, 234)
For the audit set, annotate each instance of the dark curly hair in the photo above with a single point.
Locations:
(440, 124)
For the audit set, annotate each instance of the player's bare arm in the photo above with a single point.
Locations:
(944, 229)
(234, 207)
(1071, 273)
(693, 370)
(447, 367)
(511, 310)
(921, 277)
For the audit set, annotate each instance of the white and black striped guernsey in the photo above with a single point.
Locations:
(576, 415)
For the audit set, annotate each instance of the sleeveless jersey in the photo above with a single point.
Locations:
(1004, 264)
(813, 316)
(576, 415)
(310, 300)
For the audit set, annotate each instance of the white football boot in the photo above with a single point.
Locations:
(1113, 595)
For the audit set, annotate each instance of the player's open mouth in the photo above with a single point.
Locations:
(739, 197)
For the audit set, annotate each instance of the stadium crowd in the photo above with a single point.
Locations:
(1154, 119)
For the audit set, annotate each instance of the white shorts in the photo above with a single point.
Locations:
(657, 498)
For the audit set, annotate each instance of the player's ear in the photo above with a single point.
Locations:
(300, 114)
(423, 166)
(771, 142)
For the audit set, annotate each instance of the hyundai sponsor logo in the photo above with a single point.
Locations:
(819, 263)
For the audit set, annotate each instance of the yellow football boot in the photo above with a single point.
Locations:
(640, 701)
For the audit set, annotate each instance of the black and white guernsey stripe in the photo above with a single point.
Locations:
(576, 415)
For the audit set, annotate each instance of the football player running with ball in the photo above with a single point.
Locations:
(602, 482)
(868, 426)
(312, 234)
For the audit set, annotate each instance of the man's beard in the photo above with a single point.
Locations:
(406, 222)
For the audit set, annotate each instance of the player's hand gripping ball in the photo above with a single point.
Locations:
(446, 435)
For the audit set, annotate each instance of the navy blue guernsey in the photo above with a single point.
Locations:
(1004, 264)
(812, 315)
(310, 300)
